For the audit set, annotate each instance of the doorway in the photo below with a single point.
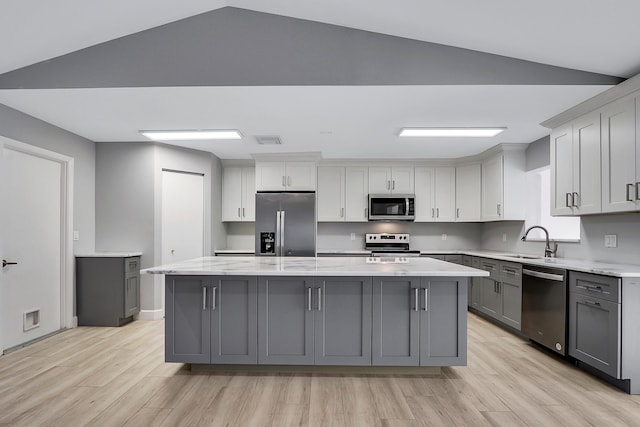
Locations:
(36, 286)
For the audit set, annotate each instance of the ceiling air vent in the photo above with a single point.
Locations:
(268, 139)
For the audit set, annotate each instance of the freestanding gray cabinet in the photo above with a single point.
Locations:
(108, 290)
(211, 319)
(322, 321)
(419, 321)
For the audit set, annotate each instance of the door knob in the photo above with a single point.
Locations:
(5, 263)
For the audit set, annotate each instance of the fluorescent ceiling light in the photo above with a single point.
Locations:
(446, 132)
(182, 135)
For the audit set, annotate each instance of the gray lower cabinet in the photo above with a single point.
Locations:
(419, 321)
(511, 294)
(322, 321)
(595, 321)
(500, 294)
(108, 290)
(211, 319)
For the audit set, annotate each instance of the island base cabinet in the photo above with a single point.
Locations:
(285, 321)
(419, 321)
(321, 321)
(211, 320)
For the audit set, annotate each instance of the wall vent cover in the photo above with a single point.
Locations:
(31, 319)
(268, 139)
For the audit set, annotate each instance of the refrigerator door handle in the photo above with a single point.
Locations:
(278, 226)
(282, 233)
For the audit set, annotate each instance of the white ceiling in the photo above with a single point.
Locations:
(338, 121)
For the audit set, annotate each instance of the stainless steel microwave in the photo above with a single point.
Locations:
(399, 207)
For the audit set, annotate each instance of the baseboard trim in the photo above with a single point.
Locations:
(151, 314)
(429, 371)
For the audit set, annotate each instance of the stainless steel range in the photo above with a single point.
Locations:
(389, 244)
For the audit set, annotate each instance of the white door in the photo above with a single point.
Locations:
(425, 209)
(587, 179)
(445, 194)
(379, 180)
(232, 194)
(356, 194)
(402, 181)
(561, 170)
(32, 235)
(468, 190)
(182, 216)
(249, 194)
(492, 188)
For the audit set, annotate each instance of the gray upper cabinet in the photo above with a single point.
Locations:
(419, 321)
(211, 319)
(323, 321)
(285, 320)
(187, 319)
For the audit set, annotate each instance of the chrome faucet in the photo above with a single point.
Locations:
(548, 252)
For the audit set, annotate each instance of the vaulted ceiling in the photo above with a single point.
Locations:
(339, 77)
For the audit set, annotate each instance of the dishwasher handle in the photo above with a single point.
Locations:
(542, 275)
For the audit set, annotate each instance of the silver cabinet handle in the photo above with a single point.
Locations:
(284, 183)
(566, 199)
(416, 298)
(590, 288)
(213, 297)
(510, 271)
(597, 304)
(309, 299)
(629, 199)
(433, 213)
(319, 299)
(204, 298)
(282, 233)
(341, 212)
(239, 216)
(637, 190)
(457, 212)
(575, 197)
(426, 300)
(393, 184)
(243, 215)
(437, 212)
(499, 209)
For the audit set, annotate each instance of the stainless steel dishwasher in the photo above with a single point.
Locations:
(544, 306)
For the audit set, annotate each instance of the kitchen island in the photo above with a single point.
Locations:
(344, 311)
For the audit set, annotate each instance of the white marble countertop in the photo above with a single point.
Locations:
(319, 266)
(108, 254)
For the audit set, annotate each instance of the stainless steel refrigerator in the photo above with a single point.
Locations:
(286, 224)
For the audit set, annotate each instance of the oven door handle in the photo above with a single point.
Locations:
(541, 275)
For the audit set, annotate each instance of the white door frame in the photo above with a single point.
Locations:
(66, 225)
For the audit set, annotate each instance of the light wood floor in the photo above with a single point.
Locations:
(117, 376)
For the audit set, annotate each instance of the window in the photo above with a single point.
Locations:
(539, 210)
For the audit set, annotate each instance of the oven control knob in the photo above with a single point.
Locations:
(558, 346)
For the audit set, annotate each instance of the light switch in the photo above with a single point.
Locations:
(76, 235)
(611, 241)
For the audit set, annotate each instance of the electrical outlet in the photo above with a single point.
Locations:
(353, 236)
(504, 237)
(444, 236)
(611, 241)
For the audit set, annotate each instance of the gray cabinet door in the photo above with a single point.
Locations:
(187, 319)
(285, 320)
(594, 332)
(342, 321)
(396, 321)
(489, 296)
(234, 335)
(131, 294)
(511, 304)
(443, 321)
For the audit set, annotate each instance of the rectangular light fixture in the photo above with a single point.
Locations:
(451, 132)
(183, 135)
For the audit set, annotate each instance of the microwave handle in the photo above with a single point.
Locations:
(406, 202)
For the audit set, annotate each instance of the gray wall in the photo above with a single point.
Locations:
(538, 154)
(128, 202)
(27, 129)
